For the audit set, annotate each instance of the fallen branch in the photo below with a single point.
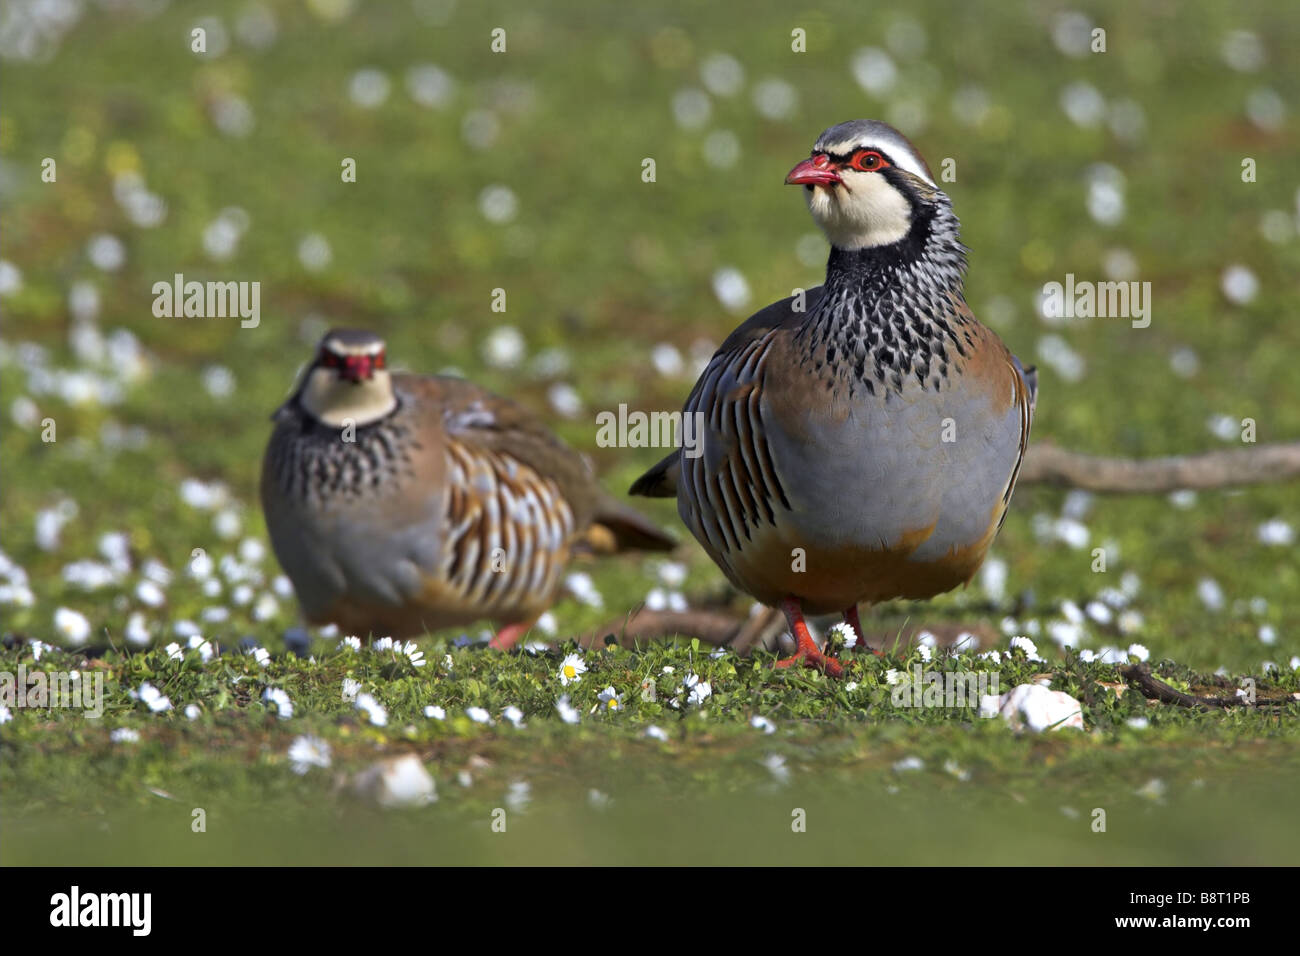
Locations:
(642, 626)
(1154, 689)
(1049, 464)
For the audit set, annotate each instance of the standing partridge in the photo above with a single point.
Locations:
(400, 504)
(860, 442)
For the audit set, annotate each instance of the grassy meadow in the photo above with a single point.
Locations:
(130, 444)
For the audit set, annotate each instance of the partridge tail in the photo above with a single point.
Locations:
(1030, 375)
(660, 481)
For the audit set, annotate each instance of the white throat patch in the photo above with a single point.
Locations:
(338, 403)
(865, 210)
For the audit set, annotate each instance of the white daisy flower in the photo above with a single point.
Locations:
(174, 652)
(611, 700)
(965, 641)
(1026, 645)
(514, 715)
(383, 644)
(375, 712)
(6, 714)
(148, 592)
(72, 625)
(192, 711)
(846, 634)
(763, 724)
(893, 677)
(262, 656)
(568, 713)
(152, 698)
(307, 752)
(581, 587)
(434, 712)
(350, 689)
(279, 699)
(656, 733)
(478, 715)
(414, 654)
(350, 644)
(571, 669)
(124, 735)
(137, 631)
(697, 691)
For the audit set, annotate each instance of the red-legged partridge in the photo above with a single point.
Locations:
(399, 504)
(860, 444)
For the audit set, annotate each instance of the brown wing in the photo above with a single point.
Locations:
(746, 341)
(734, 486)
(522, 449)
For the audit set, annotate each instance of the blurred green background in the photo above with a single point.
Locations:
(522, 170)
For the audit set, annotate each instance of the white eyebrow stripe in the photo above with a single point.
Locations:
(898, 152)
(369, 348)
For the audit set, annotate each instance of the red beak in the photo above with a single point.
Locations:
(816, 171)
(357, 368)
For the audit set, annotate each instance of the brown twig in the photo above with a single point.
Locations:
(759, 630)
(1154, 689)
(1046, 463)
(642, 626)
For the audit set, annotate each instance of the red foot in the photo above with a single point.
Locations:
(507, 636)
(851, 619)
(806, 650)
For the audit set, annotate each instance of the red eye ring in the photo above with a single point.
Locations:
(867, 161)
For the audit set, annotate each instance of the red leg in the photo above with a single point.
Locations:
(508, 635)
(806, 650)
(851, 619)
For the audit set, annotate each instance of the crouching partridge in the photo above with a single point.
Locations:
(860, 442)
(400, 504)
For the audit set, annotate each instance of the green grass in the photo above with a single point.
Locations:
(714, 789)
(604, 267)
